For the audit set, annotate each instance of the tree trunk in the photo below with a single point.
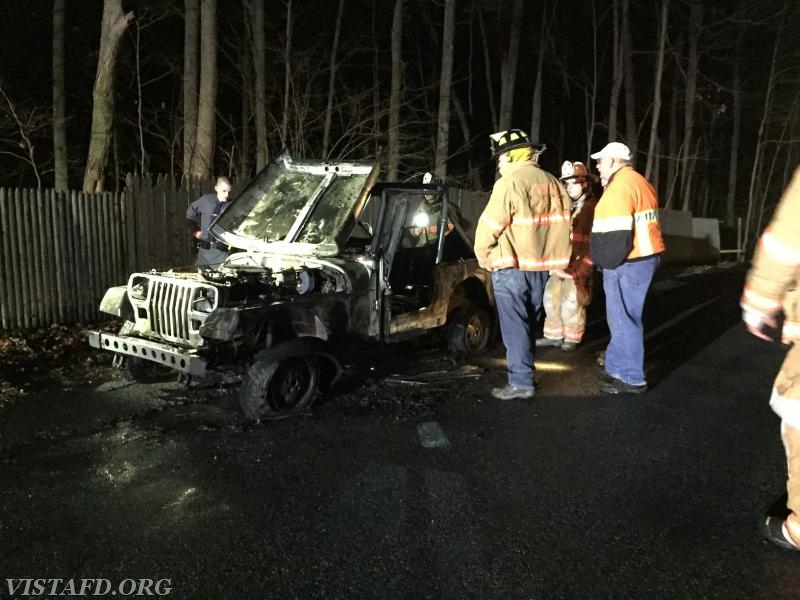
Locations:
(536, 109)
(445, 82)
(590, 95)
(662, 38)
(733, 169)
(733, 172)
(115, 21)
(631, 128)
(203, 158)
(191, 45)
(59, 110)
(461, 114)
(757, 167)
(488, 72)
(287, 79)
(617, 73)
(143, 161)
(674, 148)
(394, 98)
(377, 105)
(260, 65)
(248, 88)
(326, 131)
(510, 68)
(695, 25)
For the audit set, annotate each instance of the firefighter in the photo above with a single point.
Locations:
(424, 226)
(627, 245)
(522, 234)
(771, 294)
(569, 291)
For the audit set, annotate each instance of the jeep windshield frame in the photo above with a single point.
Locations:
(311, 206)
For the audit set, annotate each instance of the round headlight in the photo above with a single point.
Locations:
(138, 288)
(206, 300)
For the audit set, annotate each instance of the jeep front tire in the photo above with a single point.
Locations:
(280, 383)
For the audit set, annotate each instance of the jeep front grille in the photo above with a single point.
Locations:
(170, 309)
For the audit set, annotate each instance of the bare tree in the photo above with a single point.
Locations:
(207, 106)
(445, 82)
(287, 60)
(326, 129)
(191, 45)
(590, 95)
(674, 146)
(376, 88)
(260, 65)
(18, 141)
(757, 166)
(733, 168)
(690, 95)
(59, 110)
(139, 103)
(631, 129)
(115, 21)
(509, 70)
(656, 111)
(394, 97)
(488, 72)
(617, 65)
(248, 89)
(536, 109)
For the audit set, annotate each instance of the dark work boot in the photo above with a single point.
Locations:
(617, 386)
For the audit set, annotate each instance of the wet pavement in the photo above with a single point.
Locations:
(411, 481)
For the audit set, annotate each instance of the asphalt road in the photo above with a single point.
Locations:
(413, 482)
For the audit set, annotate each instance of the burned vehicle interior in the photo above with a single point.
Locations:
(326, 255)
(409, 239)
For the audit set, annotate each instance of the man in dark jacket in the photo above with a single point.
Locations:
(200, 214)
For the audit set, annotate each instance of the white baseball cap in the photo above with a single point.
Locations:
(613, 150)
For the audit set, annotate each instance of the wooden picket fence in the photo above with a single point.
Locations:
(61, 251)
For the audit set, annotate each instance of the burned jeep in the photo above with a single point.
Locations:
(326, 256)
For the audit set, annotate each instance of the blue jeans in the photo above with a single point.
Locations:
(626, 288)
(518, 295)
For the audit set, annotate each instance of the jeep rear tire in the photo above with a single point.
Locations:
(469, 331)
(281, 382)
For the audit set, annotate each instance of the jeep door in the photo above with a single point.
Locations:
(408, 249)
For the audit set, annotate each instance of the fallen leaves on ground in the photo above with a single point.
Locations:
(32, 355)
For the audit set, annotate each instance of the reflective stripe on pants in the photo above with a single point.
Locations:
(564, 317)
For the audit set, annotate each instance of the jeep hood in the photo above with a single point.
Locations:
(301, 207)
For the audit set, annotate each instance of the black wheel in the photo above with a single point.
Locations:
(139, 370)
(281, 382)
(469, 331)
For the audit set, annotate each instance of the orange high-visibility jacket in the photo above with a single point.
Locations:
(773, 282)
(625, 223)
(526, 223)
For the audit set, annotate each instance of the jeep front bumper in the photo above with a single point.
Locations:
(148, 350)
